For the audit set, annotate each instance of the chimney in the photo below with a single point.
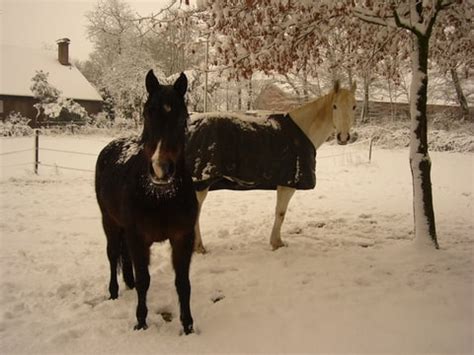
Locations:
(63, 50)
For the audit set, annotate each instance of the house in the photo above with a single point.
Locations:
(20, 64)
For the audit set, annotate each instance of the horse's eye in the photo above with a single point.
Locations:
(354, 107)
(334, 107)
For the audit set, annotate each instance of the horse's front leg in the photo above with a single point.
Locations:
(284, 195)
(182, 250)
(113, 253)
(140, 253)
(198, 245)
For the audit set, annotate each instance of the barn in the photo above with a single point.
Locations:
(19, 65)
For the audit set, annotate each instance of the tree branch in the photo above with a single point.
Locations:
(403, 24)
(369, 16)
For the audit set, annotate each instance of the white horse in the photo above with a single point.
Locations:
(318, 119)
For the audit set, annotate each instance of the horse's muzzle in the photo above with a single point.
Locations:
(341, 141)
(162, 173)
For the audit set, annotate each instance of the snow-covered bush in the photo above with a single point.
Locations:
(100, 120)
(451, 141)
(64, 109)
(457, 138)
(15, 125)
(52, 104)
(122, 123)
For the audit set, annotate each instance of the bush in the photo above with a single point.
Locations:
(453, 137)
(51, 102)
(100, 120)
(15, 125)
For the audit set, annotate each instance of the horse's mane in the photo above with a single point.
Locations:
(317, 104)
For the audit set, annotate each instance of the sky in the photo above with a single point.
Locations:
(39, 23)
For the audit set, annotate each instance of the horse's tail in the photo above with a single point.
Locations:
(125, 264)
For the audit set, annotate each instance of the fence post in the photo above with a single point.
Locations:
(370, 149)
(36, 151)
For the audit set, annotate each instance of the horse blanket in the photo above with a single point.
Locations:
(245, 152)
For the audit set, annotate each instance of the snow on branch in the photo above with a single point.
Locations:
(371, 17)
(416, 16)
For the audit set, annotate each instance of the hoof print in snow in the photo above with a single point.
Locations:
(317, 224)
(217, 296)
(95, 301)
(167, 316)
(296, 230)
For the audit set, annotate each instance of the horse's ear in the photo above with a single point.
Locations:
(181, 84)
(337, 86)
(354, 87)
(151, 82)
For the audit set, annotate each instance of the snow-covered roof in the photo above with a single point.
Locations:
(20, 64)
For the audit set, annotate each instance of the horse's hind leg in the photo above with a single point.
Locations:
(284, 195)
(182, 251)
(113, 233)
(198, 245)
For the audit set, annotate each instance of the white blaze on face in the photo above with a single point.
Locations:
(155, 161)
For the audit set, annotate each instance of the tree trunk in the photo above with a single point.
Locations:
(319, 84)
(461, 98)
(250, 95)
(305, 82)
(390, 95)
(420, 162)
(239, 97)
(227, 105)
(349, 76)
(365, 107)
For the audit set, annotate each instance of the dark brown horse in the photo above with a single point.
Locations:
(146, 195)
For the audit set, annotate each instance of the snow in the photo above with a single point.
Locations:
(206, 172)
(244, 120)
(397, 135)
(350, 280)
(20, 64)
(131, 147)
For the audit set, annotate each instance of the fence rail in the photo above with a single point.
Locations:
(68, 152)
(37, 163)
(65, 167)
(16, 151)
(19, 164)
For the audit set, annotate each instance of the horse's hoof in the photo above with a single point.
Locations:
(140, 326)
(188, 330)
(200, 249)
(113, 297)
(278, 245)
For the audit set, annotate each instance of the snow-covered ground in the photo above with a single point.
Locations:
(350, 280)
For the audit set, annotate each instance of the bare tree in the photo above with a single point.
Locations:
(452, 45)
